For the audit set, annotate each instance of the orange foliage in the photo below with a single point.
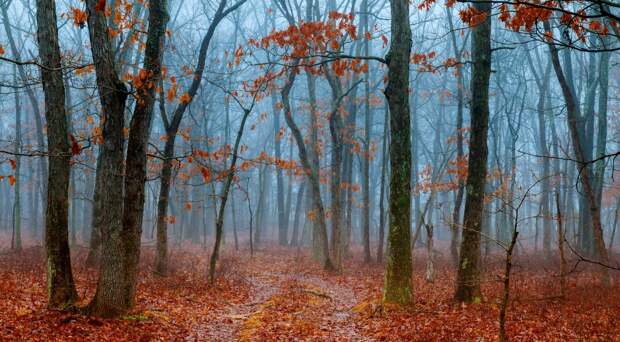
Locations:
(185, 98)
(78, 16)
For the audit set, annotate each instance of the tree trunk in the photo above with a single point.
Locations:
(572, 110)
(161, 249)
(458, 199)
(282, 228)
(468, 276)
(336, 130)
(398, 267)
(136, 159)
(34, 102)
(313, 173)
(97, 216)
(61, 291)
(298, 204)
(384, 166)
(430, 271)
(366, 157)
(17, 217)
(224, 198)
(111, 295)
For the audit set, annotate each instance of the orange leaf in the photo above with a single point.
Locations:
(185, 98)
(12, 180)
(206, 174)
(13, 164)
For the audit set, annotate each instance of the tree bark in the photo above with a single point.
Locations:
(382, 195)
(34, 102)
(366, 156)
(572, 111)
(112, 96)
(398, 288)
(458, 199)
(282, 228)
(468, 276)
(311, 169)
(298, 205)
(136, 159)
(17, 210)
(61, 291)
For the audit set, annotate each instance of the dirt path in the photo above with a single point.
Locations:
(338, 316)
(286, 302)
(228, 320)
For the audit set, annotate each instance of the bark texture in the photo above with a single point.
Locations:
(61, 291)
(398, 267)
(468, 276)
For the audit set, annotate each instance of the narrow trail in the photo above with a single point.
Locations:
(286, 300)
(338, 316)
(228, 320)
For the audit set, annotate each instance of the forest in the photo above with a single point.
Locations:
(321, 170)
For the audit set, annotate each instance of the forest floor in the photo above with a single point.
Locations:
(281, 294)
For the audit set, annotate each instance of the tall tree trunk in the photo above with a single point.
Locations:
(585, 126)
(42, 162)
(366, 158)
(572, 110)
(97, 218)
(458, 199)
(468, 276)
(314, 158)
(136, 159)
(260, 204)
(313, 172)
(17, 217)
(282, 228)
(613, 230)
(398, 267)
(601, 137)
(298, 205)
(289, 194)
(61, 291)
(230, 174)
(109, 297)
(336, 130)
(161, 249)
(384, 166)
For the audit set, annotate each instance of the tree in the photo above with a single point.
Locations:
(573, 115)
(468, 276)
(312, 170)
(122, 227)
(61, 291)
(171, 125)
(398, 267)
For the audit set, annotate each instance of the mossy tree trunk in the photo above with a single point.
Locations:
(398, 267)
(468, 277)
(61, 291)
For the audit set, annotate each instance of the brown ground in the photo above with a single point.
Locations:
(282, 295)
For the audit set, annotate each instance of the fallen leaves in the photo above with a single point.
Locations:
(168, 308)
(281, 294)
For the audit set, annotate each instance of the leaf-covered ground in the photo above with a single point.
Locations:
(280, 294)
